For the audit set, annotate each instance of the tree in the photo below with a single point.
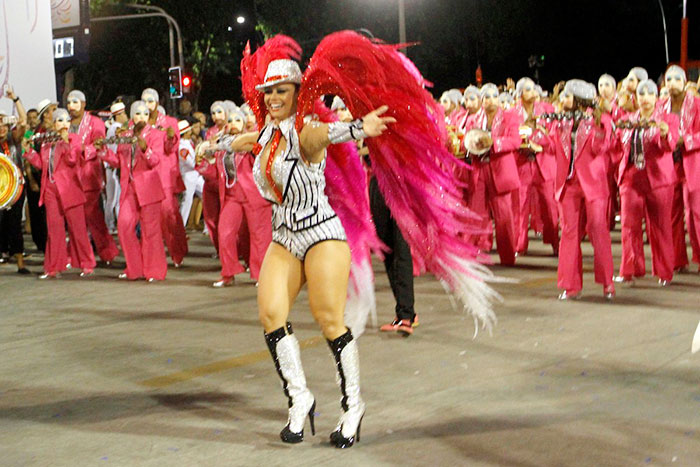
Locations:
(127, 56)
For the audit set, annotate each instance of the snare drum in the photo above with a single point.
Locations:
(11, 182)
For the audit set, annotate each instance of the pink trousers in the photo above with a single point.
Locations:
(534, 186)
(260, 229)
(572, 206)
(56, 256)
(210, 212)
(485, 198)
(173, 227)
(144, 257)
(638, 200)
(105, 244)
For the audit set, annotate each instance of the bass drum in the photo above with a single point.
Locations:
(11, 182)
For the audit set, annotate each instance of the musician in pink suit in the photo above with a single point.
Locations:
(451, 101)
(582, 145)
(63, 197)
(472, 105)
(141, 197)
(536, 169)
(90, 128)
(210, 195)
(171, 180)
(646, 177)
(495, 174)
(687, 106)
(238, 195)
(607, 90)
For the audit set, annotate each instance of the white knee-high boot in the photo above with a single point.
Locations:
(347, 361)
(284, 348)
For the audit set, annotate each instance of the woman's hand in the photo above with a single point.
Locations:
(374, 124)
(663, 129)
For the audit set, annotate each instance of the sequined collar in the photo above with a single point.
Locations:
(286, 126)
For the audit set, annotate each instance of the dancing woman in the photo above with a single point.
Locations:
(320, 201)
(308, 245)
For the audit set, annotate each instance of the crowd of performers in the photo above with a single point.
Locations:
(286, 169)
(138, 172)
(575, 160)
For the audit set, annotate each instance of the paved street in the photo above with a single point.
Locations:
(105, 372)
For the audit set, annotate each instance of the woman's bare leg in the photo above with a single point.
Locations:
(327, 268)
(281, 278)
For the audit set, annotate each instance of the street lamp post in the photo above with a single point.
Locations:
(663, 19)
(402, 24)
(171, 21)
(684, 36)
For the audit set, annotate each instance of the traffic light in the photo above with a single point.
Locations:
(175, 82)
(186, 84)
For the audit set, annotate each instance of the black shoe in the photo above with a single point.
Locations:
(341, 442)
(23, 271)
(288, 436)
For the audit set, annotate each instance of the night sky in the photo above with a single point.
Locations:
(579, 39)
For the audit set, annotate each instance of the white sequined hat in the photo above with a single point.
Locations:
(280, 71)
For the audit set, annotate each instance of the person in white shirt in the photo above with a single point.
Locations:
(112, 186)
(194, 182)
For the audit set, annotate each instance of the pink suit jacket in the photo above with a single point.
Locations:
(690, 130)
(456, 117)
(91, 171)
(546, 160)
(143, 174)
(169, 166)
(506, 141)
(244, 190)
(658, 151)
(592, 162)
(65, 172)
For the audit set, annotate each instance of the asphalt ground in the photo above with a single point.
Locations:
(100, 371)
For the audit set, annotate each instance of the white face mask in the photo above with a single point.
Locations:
(150, 102)
(61, 123)
(74, 105)
(140, 116)
(219, 115)
(675, 81)
(647, 99)
(235, 124)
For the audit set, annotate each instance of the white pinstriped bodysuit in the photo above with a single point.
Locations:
(304, 217)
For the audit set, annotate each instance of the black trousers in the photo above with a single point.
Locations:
(37, 214)
(398, 262)
(11, 240)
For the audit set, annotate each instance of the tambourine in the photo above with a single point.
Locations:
(11, 182)
(471, 140)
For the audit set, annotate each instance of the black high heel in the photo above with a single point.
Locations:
(341, 442)
(288, 436)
